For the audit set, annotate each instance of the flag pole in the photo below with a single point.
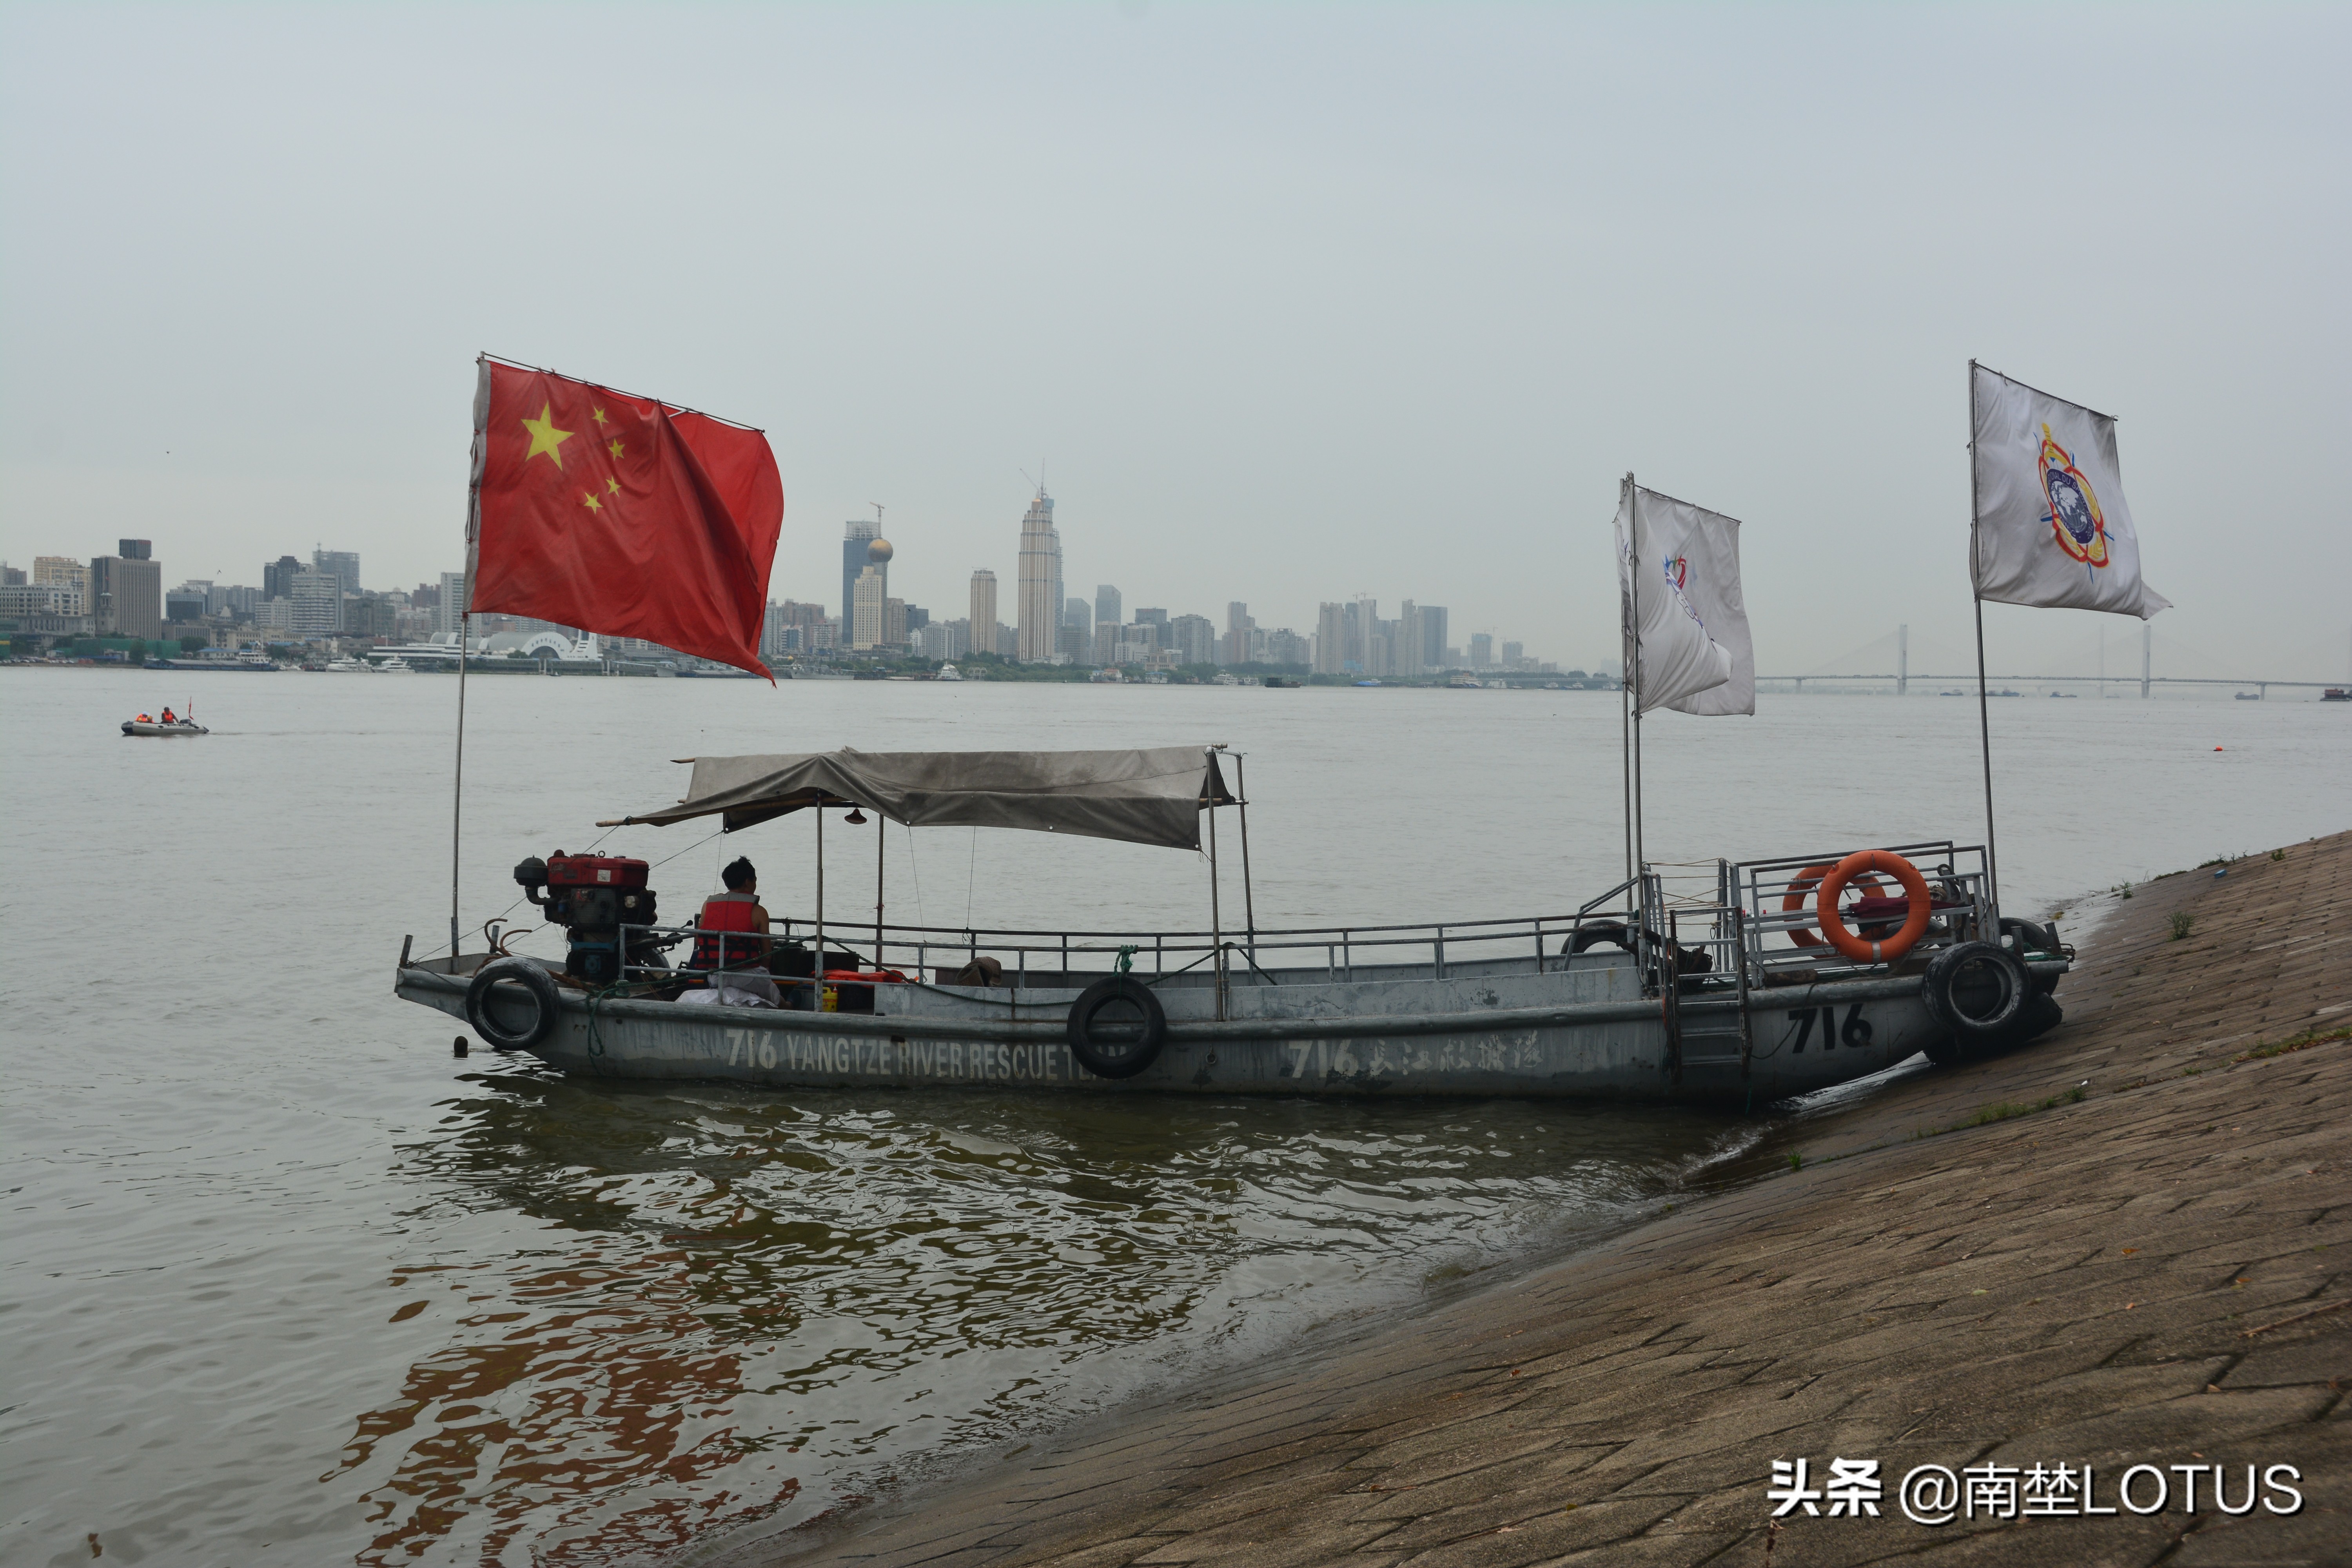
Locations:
(1634, 576)
(1628, 641)
(1984, 717)
(458, 788)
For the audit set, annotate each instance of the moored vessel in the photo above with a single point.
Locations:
(1633, 994)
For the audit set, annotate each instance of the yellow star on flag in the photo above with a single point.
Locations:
(612, 484)
(616, 448)
(591, 502)
(598, 415)
(544, 437)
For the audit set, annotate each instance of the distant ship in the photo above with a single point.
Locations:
(950, 672)
(2336, 694)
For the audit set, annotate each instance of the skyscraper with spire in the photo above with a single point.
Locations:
(1040, 584)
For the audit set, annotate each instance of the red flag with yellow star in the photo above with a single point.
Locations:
(620, 515)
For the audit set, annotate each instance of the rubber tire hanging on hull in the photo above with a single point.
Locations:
(1128, 1040)
(1947, 990)
(531, 978)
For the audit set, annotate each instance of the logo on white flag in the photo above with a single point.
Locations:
(2073, 517)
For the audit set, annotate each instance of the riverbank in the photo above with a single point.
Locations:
(2124, 1245)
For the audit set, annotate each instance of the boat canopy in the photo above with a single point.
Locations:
(1149, 797)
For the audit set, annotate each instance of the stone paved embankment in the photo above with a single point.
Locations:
(2153, 1274)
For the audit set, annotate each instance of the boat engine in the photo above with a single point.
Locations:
(594, 897)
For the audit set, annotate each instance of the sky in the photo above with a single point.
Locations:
(1289, 302)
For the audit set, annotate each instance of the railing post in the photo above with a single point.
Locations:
(1739, 941)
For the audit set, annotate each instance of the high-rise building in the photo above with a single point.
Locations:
(1331, 638)
(449, 614)
(1040, 585)
(65, 573)
(317, 601)
(344, 564)
(856, 535)
(1405, 641)
(127, 595)
(1107, 604)
(1432, 637)
(135, 549)
(1482, 651)
(867, 606)
(1078, 613)
(894, 623)
(12, 576)
(982, 621)
(277, 577)
(1515, 654)
(1194, 637)
(1105, 649)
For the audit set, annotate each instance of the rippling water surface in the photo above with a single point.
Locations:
(286, 1284)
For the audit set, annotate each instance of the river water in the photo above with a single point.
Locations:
(288, 1284)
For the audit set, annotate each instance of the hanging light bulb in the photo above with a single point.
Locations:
(856, 817)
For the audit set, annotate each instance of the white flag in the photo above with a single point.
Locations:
(1678, 575)
(2051, 526)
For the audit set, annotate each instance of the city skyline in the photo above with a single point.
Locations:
(1253, 346)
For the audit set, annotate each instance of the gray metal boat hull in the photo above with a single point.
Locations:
(1582, 1030)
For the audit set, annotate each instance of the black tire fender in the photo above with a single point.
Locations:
(1977, 991)
(531, 978)
(1116, 1028)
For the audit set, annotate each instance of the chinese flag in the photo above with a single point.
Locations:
(620, 515)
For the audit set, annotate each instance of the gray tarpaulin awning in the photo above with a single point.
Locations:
(1153, 797)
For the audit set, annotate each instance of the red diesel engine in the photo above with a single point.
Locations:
(603, 905)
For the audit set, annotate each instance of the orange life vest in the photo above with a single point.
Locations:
(728, 912)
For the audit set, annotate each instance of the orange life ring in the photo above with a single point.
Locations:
(1804, 883)
(1915, 890)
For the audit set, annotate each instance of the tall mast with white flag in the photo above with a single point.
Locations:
(2047, 526)
(1687, 645)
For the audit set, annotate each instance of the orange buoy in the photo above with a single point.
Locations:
(1915, 891)
(1804, 882)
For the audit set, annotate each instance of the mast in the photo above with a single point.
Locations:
(1984, 719)
(457, 782)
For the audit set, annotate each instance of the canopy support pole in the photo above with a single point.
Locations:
(881, 840)
(1217, 922)
(1984, 717)
(819, 970)
(458, 789)
(1249, 902)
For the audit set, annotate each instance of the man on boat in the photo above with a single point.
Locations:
(733, 937)
(144, 719)
(167, 717)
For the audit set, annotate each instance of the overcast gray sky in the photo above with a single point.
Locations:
(1293, 302)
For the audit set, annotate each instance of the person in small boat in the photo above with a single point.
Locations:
(731, 948)
(167, 717)
(144, 719)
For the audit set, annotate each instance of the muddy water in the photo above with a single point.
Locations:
(286, 1284)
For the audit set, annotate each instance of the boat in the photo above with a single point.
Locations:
(1731, 999)
(148, 727)
(949, 672)
(395, 665)
(2249, 696)
(348, 666)
(2336, 694)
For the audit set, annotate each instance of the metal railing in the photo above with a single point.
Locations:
(1734, 919)
(1054, 959)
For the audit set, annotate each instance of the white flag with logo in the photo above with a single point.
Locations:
(1678, 575)
(2051, 526)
